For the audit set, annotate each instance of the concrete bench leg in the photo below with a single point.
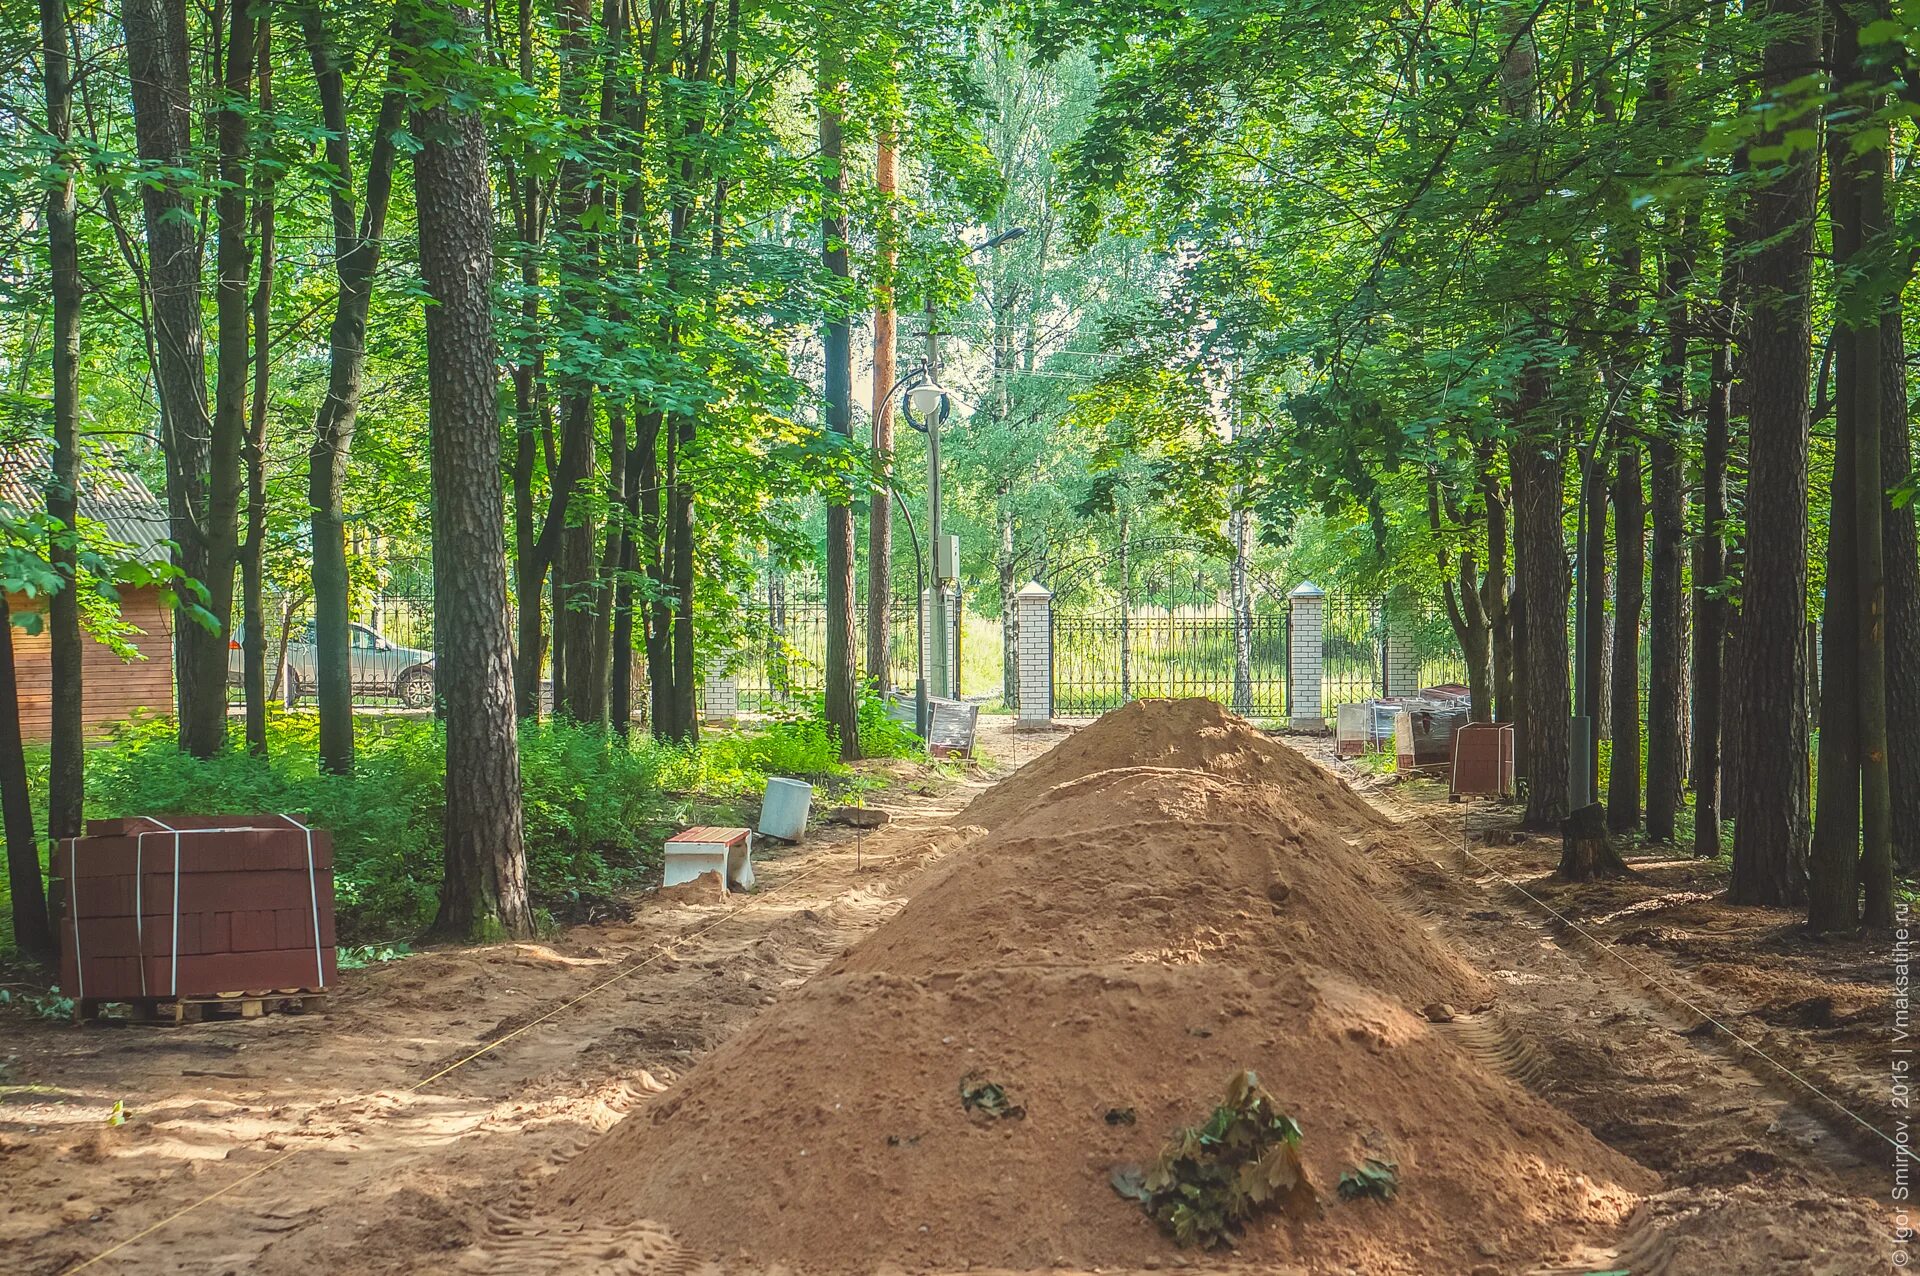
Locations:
(740, 865)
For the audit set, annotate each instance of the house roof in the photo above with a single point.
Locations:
(110, 494)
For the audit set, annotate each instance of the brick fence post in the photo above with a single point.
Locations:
(1403, 667)
(1309, 604)
(1034, 613)
(720, 692)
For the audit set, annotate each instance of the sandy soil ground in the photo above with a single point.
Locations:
(342, 1148)
(340, 1143)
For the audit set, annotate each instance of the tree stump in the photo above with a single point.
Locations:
(1586, 853)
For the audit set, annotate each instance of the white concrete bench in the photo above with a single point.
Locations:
(710, 849)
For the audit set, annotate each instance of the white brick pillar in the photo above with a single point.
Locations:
(720, 692)
(1403, 667)
(1033, 611)
(1309, 604)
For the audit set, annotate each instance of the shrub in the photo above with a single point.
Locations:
(596, 809)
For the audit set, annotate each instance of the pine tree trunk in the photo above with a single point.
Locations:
(485, 886)
(158, 61)
(253, 610)
(1903, 597)
(1629, 599)
(1833, 860)
(1667, 646)
(880, 506)
(1833, 883)
(575, 590)
(32, 927)
(1493, 588)
(1770, 815)
(1540, 551)
(1666, 719)
(357, 242)
(66, 780)
(842, 683)
(1709, 607)
(1599, 648)
(1869, 499)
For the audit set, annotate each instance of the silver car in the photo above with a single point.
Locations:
(380, 667)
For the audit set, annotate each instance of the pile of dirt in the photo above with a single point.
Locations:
(1189, 734)
(1124, 939)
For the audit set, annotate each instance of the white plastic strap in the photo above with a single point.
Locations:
(313, 899)
(173, 972)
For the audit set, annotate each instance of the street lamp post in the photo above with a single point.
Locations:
(937, 408)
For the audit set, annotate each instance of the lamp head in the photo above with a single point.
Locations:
(925, 402)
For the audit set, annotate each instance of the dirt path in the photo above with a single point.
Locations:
(1760, 1175)
(336, 1156)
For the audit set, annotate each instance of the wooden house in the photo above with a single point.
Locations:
(115, 508)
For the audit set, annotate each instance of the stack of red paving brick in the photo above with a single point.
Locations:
(196, 906)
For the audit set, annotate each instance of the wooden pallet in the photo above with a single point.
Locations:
(226, 1005)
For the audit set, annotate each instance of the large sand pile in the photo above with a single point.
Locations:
(1126, 937)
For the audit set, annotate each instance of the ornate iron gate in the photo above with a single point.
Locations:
(1102, 661)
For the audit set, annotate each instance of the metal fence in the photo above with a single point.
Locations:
(1102, 661)
(787, 657)
(1352, 649)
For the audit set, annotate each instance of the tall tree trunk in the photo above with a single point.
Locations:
(1869, 499)
(484, 891)
(32, 927)
(1466, 613)
(234, 304)
(1629, 596)
(1242, 597)
(1006, 569)
(357, 243)
(1833, 879)
(1493, 586)
(1666, 681)
(1599, 643)
(66, 781)
(842, 688)
(1833, 882)
(1903, 595)
(253, 617)
(574, 589)
(1709, 574)
(1541, 559)
(1770, 815)
(880, 507)
(157, 71)
(612, 556)
(620, 707)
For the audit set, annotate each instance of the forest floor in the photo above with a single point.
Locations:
(373, 1139)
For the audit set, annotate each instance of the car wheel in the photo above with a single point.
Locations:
(415, 688)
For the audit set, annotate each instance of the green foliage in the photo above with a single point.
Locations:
(1212, 1178)
(1375, 1178)
(990, 1099)
(360, 956)
(50, 1004)
(596, 809)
